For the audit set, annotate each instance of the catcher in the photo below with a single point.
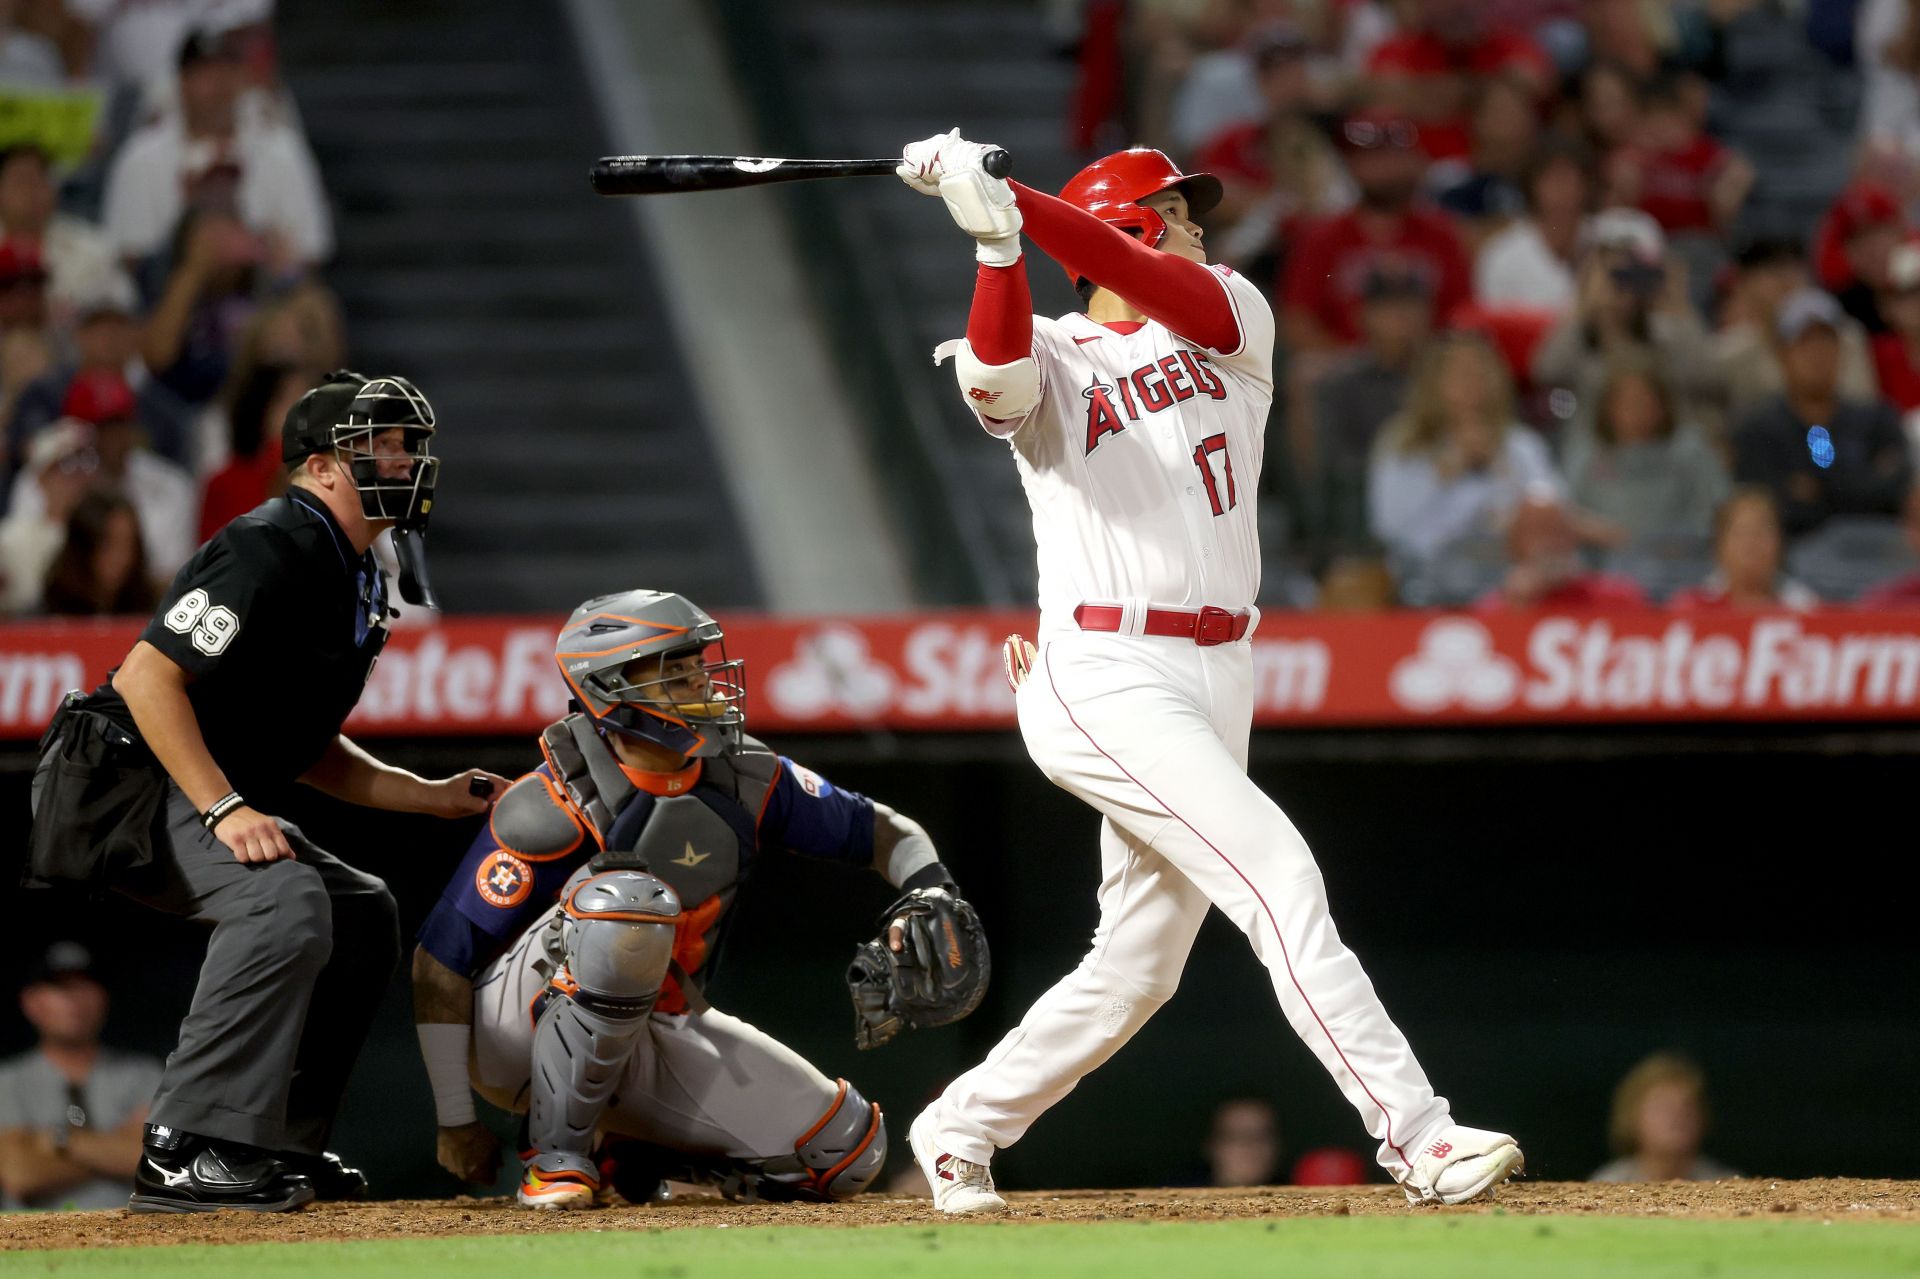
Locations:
(561, 970)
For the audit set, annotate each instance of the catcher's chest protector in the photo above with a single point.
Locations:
(686, 843)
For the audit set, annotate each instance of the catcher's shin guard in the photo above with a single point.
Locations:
(617, 940)
(837, 1156)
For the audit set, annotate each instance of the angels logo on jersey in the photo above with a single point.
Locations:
(1149, 389)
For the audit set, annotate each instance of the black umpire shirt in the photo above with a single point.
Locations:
(277, 623)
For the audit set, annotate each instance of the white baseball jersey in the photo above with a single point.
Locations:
(1142, 460)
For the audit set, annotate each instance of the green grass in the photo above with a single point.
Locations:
(1430, 1247)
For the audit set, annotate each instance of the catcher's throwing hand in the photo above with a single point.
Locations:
(470, 1152)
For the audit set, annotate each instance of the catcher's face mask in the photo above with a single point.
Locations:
(686, 701)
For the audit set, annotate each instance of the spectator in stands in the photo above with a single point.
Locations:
(1854, 246)
(299, 326)
(1356, 584)
(105, 336)
(101, 570)
(1546, 571)
(1486, 190)
(275, 185)
(1632, 303)
(1747, 552)
(25, 352)
(1275, 169)
(207, 304)
(254, 472)
(1427, 70)
(1896, 353)
(162, 493)
(1659, 1119)
(1643, 471)
(1819, 453)
(72, 1111)
(1887, 48)
(1747, 347)
(1529, 262)
(27, 60)
(1352, 403)
(1903, 591)
(1243, 1146)
(1632, 35)
(1672, 168)
(23, 285)
(79, 261)
(1609, 113)
(60, 468)
(1455, 463)
(1326, 269)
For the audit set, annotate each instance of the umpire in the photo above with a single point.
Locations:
(238, 688)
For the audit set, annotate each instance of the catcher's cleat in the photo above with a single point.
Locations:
(566, 1182)
(960, 1188)
(1461, 1164)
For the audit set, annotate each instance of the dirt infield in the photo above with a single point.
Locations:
(1831, 1200)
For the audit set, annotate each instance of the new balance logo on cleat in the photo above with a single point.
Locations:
(940, 1166)
(1440, 1149)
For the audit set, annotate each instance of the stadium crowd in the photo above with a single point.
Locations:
(160, 304)
(1582, 303)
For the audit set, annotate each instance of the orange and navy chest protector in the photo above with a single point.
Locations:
(701, 830)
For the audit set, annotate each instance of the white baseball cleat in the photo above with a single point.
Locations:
(1460, 1164)
(960, 1188)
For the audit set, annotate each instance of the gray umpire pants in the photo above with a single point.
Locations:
(299, 955)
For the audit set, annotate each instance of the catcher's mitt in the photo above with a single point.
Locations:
(939, 974)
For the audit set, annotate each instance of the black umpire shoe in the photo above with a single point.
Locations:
(180, 1172)
(332, 1179)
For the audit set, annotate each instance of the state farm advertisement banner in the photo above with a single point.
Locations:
(941, 671)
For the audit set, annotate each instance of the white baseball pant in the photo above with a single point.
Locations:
(1153, 732)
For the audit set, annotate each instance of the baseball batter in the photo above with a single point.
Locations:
(561, 972)
(1138, 429)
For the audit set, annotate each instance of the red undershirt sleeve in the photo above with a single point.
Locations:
(1183, 295)
(1000, 323)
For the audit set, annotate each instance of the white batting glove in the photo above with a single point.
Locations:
(982, 205)
(919, 165)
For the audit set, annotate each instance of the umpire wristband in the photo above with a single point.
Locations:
(221, 807)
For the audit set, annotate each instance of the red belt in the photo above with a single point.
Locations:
(1206, 628)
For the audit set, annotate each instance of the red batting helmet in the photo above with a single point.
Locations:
(1111, 189)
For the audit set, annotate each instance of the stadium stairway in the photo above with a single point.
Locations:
(454, 139)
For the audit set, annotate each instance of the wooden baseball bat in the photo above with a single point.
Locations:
(663, 174)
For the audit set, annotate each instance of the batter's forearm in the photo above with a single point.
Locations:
(1000, 321)
(1183, 295)
(155, 691)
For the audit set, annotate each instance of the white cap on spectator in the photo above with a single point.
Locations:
(1806, 308)
(58, 441)
(1628, 229)
(1903, 267)
(98, 291)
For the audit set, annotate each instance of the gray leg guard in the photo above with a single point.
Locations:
(838, 1156)
(617, 940)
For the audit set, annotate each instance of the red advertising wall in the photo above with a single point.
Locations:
(941, 671)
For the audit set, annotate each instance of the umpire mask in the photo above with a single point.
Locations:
(381, 430)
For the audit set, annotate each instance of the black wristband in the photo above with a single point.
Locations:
(221, 807)
(933, 876)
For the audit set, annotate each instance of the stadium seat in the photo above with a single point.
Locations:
(1663, 563)
(1457, 576)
